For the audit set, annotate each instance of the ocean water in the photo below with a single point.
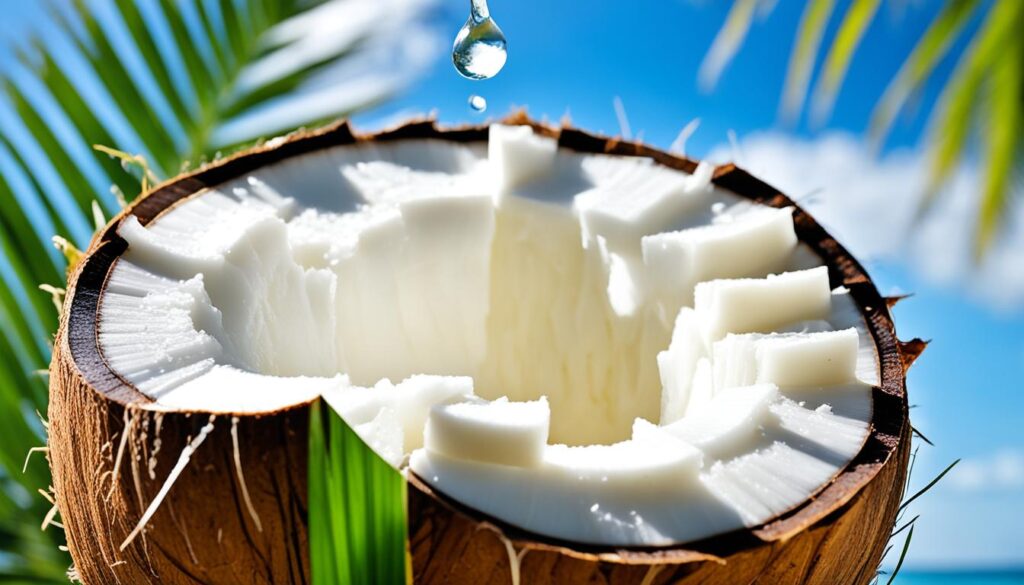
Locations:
(958, 578)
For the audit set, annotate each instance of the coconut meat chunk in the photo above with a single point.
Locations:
(506, 321)
(763, 304)
(497, 432)
(788, 359)
(729, 422)
(751, 243)
(518, 156)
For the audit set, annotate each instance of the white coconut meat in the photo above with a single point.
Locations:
(593, 348)
(498, 432)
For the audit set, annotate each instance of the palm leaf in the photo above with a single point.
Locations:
(203, 78)
(36, 175)
(1002, 136)
(185, 113)
(121, 86)
(903, 556)
(992, 62)
(727, 43)
(42, 264)
(79, 188)
(57, 82)
(952, 122)
(160, 78)
(32, 329)
(855, 23)
(927, 53)
(803, 56)
(219, 65)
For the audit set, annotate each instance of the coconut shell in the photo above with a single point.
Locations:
(110, 455)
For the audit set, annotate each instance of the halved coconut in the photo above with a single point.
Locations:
(626, 366)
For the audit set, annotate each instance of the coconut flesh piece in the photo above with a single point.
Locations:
(432, 293)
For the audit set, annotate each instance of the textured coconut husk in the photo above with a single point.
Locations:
(205, 533)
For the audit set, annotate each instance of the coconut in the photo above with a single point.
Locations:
(591, 360)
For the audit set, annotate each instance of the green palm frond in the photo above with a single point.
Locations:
(927, 54)
(803, 56)
(1002, 131)
(983, 92)
(727, 43)
(952, 123)
(176, 81)
(359, 535)
(983, 97)
(851, 31)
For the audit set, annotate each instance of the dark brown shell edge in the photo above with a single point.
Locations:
(836, 537)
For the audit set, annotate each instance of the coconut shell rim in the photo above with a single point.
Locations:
(890, 414)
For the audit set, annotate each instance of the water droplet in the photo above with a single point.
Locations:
(479, 51)
(478, 103)
(718, 208)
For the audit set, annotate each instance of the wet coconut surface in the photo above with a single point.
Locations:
(512, 254)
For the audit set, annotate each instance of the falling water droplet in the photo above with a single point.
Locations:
(478, 103)
(479, 50)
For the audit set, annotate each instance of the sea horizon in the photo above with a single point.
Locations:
(959, 576)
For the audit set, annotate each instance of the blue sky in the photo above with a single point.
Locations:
(578, 56)
(562, 57)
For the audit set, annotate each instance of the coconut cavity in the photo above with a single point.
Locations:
(594, 348)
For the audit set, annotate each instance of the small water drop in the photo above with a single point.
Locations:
(479, 51)
(478, 103)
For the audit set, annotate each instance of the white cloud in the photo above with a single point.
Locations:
(869, 204)
(1002, 471)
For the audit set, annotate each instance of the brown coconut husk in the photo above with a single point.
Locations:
(110, 457)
